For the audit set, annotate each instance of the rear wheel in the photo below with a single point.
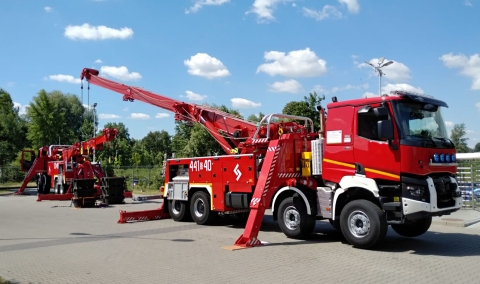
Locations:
(200, 208)
(414, 228)
(293, 218)
(363, 223)
(40, 183)
(178, 210)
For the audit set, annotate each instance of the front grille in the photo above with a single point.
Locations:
(445, 191)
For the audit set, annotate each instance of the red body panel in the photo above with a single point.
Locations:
(338, 156)
(416, 160)
(220, 174)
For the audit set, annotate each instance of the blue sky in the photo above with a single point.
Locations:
(250, 55)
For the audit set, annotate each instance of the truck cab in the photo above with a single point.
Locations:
(390, 157)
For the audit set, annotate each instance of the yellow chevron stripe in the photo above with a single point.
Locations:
(366, 169)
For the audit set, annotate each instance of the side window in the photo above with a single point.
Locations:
(367, 123)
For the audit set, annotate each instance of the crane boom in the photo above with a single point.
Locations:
(229, 130)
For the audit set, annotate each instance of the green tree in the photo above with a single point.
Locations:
(306, 108)
(74, 113)
(459, 139)
(119, 151)
(477, 147)
(256, 117)
(12, 130)
(54, 118)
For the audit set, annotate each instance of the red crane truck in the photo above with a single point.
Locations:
(66, 167)
(375, 162)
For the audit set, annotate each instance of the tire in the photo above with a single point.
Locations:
(200, 208)
(40, 182)
(179, 210)
(363, 223)
(414, 228)
(293, 218)
(47, 183)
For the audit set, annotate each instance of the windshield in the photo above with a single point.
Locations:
(421, 124)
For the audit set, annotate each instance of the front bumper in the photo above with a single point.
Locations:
(415, 209)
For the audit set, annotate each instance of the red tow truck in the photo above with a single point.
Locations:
(67, 170)
(374, 162)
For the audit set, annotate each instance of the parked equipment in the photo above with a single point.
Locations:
(374, 162)
(68, 171)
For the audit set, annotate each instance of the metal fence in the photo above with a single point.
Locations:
(141, 177)
(468, 177)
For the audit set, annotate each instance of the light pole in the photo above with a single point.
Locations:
(94, 128)
(378, 69)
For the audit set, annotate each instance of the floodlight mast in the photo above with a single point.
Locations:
(380, 72)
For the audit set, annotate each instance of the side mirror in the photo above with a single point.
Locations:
(385, 130)
(381, 112)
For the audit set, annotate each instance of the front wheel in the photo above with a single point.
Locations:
(363, 223)
(293, 218)
(414, 228)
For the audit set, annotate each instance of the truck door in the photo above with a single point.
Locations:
(380, 159)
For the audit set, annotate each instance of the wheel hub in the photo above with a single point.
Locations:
(176, 207)
(291, 217)
(359, 224)
(199, 208)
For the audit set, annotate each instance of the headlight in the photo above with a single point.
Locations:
(447, 158)
(454, 158)
(442, 158)
(435, 158)
(415, 190)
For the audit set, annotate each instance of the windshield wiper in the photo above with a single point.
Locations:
(428, 138)
(444, 140)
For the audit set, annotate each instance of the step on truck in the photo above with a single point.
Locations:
(374, 162)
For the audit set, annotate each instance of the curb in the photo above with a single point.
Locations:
(455, 222)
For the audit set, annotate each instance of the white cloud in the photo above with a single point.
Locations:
(108, 116)
(288, 86)
(200, 3)
(297, 63)
(400, 87)
(468, 3)
(326, 12)
(294, 5)
(319, 89)
(98, 61)
(87, 32)
(449, 124)
(395, 72)
(469, 66)
(264, 9)
(120, 73)
(21, 109)
(193, 96)
(64, 78)
(349, 87)
(204, 65)
(395, 87)
(139, 115)
(161, 115)
(48, 9)
(243, 103)
(477, 105)
(352, 5)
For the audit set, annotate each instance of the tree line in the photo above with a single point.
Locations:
(61, 118)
